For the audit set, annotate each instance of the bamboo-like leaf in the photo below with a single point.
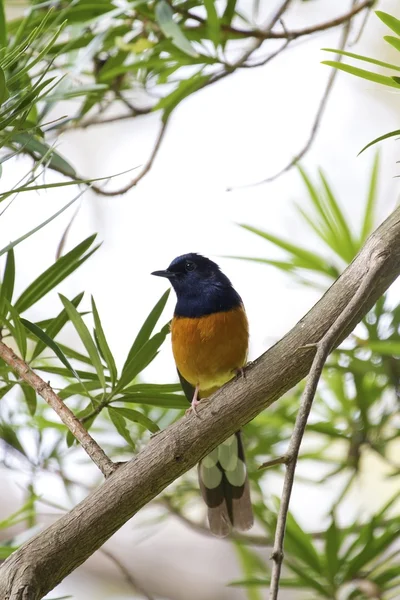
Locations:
(368, 75)
(55, 326)
(18, 330)
(33, 144)
(362, 58)
(86, 338)
(137, 417)
(103, 344)
(304, 257)
(332, 549)
(139, 361)
(7, 285)
(48, 341)
(165, 19)
(63, 267)
(162, 400)
(393, 41)
(30, 398)
(380, 138)
(389, 20)
(147, 328)
(120, 425)
(212, 22)
(26, 235)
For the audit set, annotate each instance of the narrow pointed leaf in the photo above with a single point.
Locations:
(137, 417)
(120, 425)
(103, 344)
(368, 75)
(389, 20)
(171, 30)
(7, 285)
(63, 267)
(50, 343)
(86, 338)
(55, 326)
(30, 398)
(141, 359)
(147, 328)
(380, 138)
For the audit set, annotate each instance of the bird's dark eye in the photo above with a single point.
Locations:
(190, 266)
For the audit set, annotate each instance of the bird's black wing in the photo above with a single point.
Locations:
(188, 389)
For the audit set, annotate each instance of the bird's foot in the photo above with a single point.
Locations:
(195, 402)
(240, 373)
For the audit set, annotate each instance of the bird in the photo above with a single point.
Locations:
(210, 338)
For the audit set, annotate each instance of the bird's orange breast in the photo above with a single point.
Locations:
(208, 349)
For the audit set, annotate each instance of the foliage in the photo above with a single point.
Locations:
(392, 81)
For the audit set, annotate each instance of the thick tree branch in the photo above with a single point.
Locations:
(42, 562)
(323, 349)
(91, 447)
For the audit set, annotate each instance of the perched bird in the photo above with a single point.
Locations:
(210, 336)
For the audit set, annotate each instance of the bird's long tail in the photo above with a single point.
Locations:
(225, 487)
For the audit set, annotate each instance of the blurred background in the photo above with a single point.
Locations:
(220, 143)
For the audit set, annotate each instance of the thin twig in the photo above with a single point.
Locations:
(267, 34)
(323, 349)
(317, 119)
(145, 169)
(136, 587)
(279, 460)
(92, 449)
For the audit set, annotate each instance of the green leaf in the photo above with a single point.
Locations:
(18, 330)
(155, 388)
(103, 344)
(7, 286)
(367, 59)
(389, 20)
(368, 220)
(379, 139)
(86, 338)
(5, 551)
(120, 425)
(393, 41)
(3, 25)
(332, 548)
(165, 19)
(147, 328)
(212, 22)
(3, 86)
(63, 267)
(141, 359)
(30, 398)
(305, 259)
(162, 400)
(55, 326)
(46, 339)
(137, 417)
(388, 348)
(8, 435)
(184, 89)
(26, 235)
(36, 146)
(301, 544)
(347, 246)
(368, 75)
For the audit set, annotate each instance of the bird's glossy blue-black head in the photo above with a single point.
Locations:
(201, 287)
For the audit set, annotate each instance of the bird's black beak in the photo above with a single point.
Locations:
(166, 273)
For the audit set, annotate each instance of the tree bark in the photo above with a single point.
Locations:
(43, 562)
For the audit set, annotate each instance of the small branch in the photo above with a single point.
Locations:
(92, 449)
(280, 460)
(136, 587)
(145, 169)
(267, 34)
(317, 119)
(323, 349)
